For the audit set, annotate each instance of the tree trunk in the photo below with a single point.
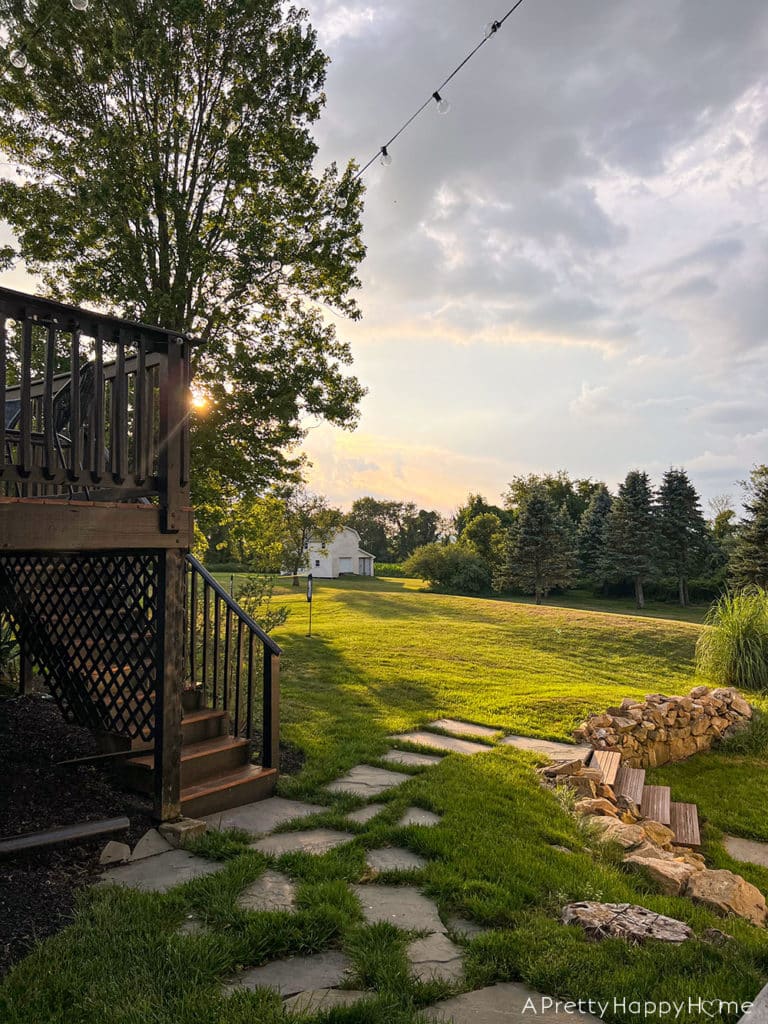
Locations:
(295, 579)
(682, 591)
(639, 595)
(538, 595)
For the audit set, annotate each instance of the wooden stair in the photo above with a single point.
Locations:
(216, 769)
(655, 802)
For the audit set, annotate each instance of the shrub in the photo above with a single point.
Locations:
(449, 567)
(9, 650)
(734, 650)
(255, 597)
(392, 569)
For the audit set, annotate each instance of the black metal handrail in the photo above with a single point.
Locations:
(220, 640)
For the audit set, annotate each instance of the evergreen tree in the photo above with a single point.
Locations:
(630, 539)
(591, 539)
(749, 561)
(541, 548)
(682, 531)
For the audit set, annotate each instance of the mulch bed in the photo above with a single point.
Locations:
(38, 888)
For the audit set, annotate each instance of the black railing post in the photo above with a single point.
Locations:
(271, 710)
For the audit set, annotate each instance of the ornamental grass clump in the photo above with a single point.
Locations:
(733, 651)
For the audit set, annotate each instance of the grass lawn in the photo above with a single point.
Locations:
(387, 656)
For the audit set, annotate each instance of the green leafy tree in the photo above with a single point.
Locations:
(168, 174)
(541, 548)
(749, 559)
(630, 535)
(307, 517)
(573, 495)
(591, 536)
(682, 531)
(485, 536)
(449, 567)
(476, 505)
(392, 530)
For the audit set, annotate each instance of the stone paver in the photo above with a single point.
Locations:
(315, 840)
(324, 999)
(557, 751)
(458, 728)
(392, 858)
(412, 759)
(150, 845)
(115, 853)
(418, 816)
(758, 1014)
(747, 850)
(505, 1003)
(158, 874)
(435, 958)
(450, 744)
(470, 929)
(401, 905)
(296, 974)
(364, 814)
(263, 815)
(271, 892)
(364, 780)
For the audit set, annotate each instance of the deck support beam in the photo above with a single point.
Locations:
(167, 776)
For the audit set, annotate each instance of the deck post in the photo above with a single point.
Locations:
(167, 805)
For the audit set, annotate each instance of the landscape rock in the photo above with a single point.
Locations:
(659, 834)
(625, 921)
(150, 844)
(671, 876)
(628, 836)
(728, 893)
(596, 806)
(115, 853)
(178, 833)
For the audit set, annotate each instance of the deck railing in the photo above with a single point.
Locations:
(91, 407)
(233, 661)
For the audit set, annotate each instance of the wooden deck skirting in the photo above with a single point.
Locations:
(30, 524)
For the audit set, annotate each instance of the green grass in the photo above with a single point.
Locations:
(388, 656)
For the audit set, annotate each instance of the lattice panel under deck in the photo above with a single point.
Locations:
(91, 621)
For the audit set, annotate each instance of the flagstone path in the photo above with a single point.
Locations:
(747, 850)
(311, 984)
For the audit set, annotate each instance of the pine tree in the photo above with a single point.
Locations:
(541, 550)
(749, 562)
(591, 536)
(630, 539)
(682, 530)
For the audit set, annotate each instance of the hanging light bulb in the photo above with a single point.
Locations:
(305, 236)
(386, 159)
(18, 58)
(443, 106)
(341, 203)
(491, 28)
(80, 5)
(275, 267)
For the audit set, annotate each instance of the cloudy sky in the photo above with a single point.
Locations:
(569, 269)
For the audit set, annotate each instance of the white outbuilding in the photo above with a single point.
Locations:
(340, 556)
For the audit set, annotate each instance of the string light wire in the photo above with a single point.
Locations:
(491, 31)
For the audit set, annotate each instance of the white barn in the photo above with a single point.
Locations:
(340, 556)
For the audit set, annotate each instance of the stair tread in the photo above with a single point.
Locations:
(193, 750)
(656, 803)
(226, 780)
(202, 715)
(630, 783)
(609, 762)
(684, 822)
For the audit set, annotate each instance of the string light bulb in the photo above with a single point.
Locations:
(491, 28)
(80, 5)
(443, 106)
(19, 59)
(341, 203)
(275, 267)
(386, 158)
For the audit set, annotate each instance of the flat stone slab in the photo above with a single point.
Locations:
(393, 858)
(418, 816)
(270, 892)
(412, 759)
(550, 748)
(435, 958)
(758, 1014)
(401, 905)
(365, 780)
(296, 975)
(458, 728)
(747, 850)
(263, 815)
(324, 999)
(314, 840)
(450, 744)
(364, 814)
(150, 845)
(158, 874)
(470, 929)
(503, 1004)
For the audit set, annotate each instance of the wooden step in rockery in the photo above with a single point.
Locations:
(684, 822)
(630, 783)
(609, 762)
(656, 803)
